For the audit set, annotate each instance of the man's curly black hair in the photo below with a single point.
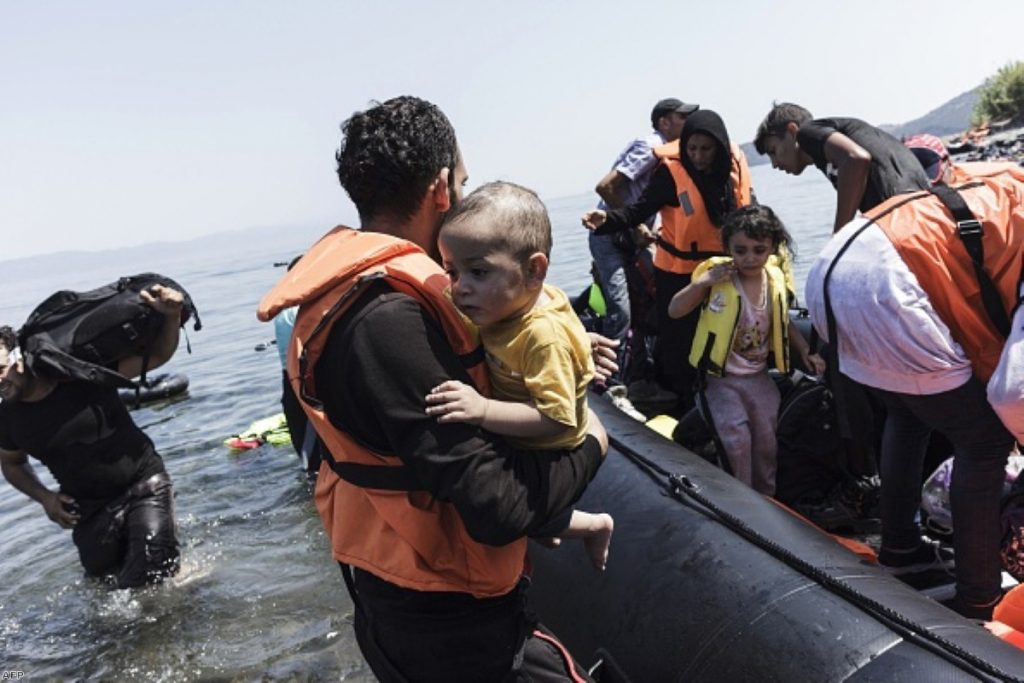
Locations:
(391, 153)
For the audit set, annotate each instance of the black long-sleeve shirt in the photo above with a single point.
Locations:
(660, 192)
(380, 361)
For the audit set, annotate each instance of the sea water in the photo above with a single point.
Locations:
(259, 596)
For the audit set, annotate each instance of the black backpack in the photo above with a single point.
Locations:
(810, 451)
(83, 335)
(810, 454)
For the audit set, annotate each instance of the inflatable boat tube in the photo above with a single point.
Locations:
(709, 581)
(155, 388)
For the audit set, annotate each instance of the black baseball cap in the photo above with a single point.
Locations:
(669, 105)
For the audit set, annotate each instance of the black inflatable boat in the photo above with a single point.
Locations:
(709, 581)
(155, 388)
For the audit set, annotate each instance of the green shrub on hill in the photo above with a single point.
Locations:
(1002, 96)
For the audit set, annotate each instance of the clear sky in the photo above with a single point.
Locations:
(129, 122)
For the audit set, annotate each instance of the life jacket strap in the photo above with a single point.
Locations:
(692, 255)
(709, 420)
(971, 231)
(380, 477)
(473, 358)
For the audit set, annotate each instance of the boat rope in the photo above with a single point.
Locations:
(686, 491)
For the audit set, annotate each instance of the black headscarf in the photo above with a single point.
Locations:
(715, 185)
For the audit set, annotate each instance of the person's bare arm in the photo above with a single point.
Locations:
(853, 165)
(19, 472)
(690, 296)
(167, 302)
(812, 362)
(602, 350)
(455, 401)
(612, 189)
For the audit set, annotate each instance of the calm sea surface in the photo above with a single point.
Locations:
(260, 597)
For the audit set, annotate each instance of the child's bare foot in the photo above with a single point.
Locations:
(598, 539)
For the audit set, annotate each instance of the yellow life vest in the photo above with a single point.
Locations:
(391, 529)
(720, 313)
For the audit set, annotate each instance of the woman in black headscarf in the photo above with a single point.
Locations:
(699, 181)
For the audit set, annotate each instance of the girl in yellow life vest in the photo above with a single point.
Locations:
(698, 183)
(743, 326)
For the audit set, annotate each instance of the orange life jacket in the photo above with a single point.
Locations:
(925, 236)
(969, 170)
(687, 234)
(401, 534)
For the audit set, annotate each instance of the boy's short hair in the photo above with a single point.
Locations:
(8, 337)
(778, 118)
(391, 153)
(525, 227)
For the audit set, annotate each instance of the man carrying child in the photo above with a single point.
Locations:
(495, 247)
(428, 520)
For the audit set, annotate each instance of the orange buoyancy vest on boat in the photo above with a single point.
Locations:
(968, 170)
(399, 532)
(925, 236)
(687, 234)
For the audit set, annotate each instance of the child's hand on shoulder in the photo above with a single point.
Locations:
(455, 401)
(716, 274)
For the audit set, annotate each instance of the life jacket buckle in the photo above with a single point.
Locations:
(970, 228)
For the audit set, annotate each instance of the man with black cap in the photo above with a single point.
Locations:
(613, 254)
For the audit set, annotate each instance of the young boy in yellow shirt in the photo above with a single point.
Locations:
(495, 246)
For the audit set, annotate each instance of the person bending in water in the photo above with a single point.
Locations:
(495, 246)
(114, 491)
(743, 323)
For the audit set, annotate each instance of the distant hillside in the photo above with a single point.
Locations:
(753, 158)
(952, 117)
(141, 257)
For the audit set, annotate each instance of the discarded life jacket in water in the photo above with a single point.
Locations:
(272, 430)
(373, 509)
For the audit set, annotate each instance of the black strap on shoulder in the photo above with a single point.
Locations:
(832, 348)
(971, 231)
(692, 255)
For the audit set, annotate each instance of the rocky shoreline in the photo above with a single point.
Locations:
(983, 144)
